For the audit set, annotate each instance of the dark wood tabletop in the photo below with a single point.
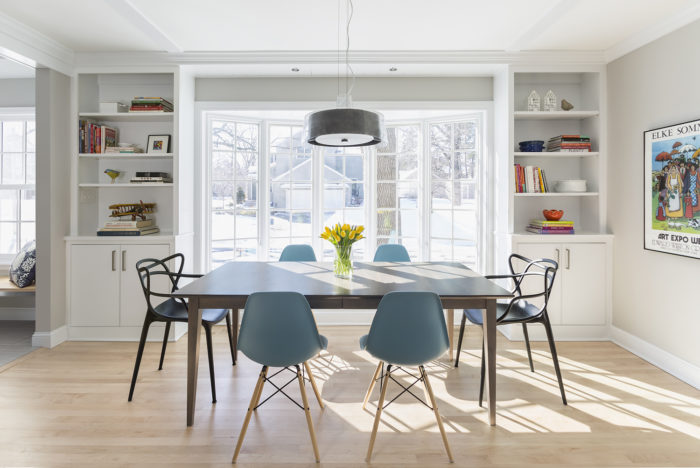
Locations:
(235, 281)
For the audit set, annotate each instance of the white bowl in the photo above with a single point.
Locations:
(573, 185)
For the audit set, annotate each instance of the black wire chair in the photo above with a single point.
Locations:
(175, 310)
(520, 310)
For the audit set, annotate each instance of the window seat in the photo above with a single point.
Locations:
(8, 288)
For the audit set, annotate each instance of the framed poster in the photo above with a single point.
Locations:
(672, 189)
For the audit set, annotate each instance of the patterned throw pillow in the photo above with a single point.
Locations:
(23, 269)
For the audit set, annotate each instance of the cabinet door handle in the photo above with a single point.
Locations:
(557, 251)
(568, 259)
(123, 260)
(114, 266)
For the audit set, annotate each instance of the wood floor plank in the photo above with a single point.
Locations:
(67, 407)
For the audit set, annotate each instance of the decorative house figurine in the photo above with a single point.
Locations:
(550, 101)
(533, 101)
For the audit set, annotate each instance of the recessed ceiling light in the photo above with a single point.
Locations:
(392, 69)
(295, 69)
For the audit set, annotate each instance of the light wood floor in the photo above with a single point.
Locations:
(67, 407)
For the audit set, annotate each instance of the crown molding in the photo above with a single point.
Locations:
(25, 45)
(675, 21)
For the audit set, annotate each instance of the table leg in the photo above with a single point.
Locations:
(235, 331)
(490, 351)
(194, 329)
(451, 331)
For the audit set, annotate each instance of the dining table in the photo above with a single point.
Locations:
(229, 286)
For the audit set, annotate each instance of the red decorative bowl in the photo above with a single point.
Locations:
(553, 215)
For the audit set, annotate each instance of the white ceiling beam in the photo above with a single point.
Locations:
(136, 17)
(547, 18)
(687, 14)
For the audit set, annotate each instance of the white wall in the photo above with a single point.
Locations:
(17, 92)
(53, 132)
(325, 89)
(655, 295)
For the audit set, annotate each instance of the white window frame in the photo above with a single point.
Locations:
(483, 110)
(15, 114)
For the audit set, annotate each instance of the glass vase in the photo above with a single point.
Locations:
(342, 265)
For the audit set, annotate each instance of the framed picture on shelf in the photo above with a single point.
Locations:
(158, 144)
(672, 189)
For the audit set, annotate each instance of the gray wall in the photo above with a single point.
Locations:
(53, 196)
(655, 295)
(325, 89)
(17, 92)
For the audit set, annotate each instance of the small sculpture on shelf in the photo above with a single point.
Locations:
(566, 105)
(550, 101)
(135, 210)
(113, 174)
(533, 101)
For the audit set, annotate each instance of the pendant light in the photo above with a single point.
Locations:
(344, 125)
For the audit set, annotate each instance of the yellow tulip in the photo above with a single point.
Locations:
(328, 230)
(352, 234)
(337, 237)
(342, 234)
(346, 227)
(360, 228)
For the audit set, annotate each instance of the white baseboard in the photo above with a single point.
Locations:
(17, 313)
(536, 332)
(677, 367)
(343, 317)
(155, 333)
(50, 339)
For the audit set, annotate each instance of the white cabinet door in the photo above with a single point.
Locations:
(94, 285)
(133, 302)
(535, 284)
(584, 284)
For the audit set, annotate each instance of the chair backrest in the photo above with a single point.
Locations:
(298, 253)
(278, 329)
(408, 329)
(533, 270)
(391, 253)
(149, 268)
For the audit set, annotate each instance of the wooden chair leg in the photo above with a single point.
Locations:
(371, 384)
(483, 375)
(461, 336)
(257, 400)
(555, 358)
(433, 403)
(378, 416)
(165, 344)
(210, 353)
(527, 344)
(230, 338)
(313, 384)
(307, 411)
(142, 342)
(256, 395)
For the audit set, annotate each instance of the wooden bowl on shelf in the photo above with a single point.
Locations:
(553, 215)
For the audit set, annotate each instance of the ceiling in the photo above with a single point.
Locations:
(297, 26)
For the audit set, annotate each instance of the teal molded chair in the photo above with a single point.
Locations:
(391, 253)
(298, 253)
(279, 330)
(408, 330)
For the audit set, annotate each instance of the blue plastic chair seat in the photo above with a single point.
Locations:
(298, 253)
(520, 311)
(363, 341)
(391, 253)
(175, 310)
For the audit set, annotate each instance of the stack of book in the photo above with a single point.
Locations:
(95, 138)
(530, 179)
(569, 143)
(124, 149)
(128, 228)
(150, 104)
(151, 177)
(542, 226)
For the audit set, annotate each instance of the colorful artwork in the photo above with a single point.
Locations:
(672, 189)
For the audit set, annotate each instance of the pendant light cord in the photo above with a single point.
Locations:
(348, 67)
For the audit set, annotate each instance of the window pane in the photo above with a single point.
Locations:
(465, 135)
(280, 223)
(354, 167)
(441, 223)
(386, 167)
(8, 238)
(12, 136)
(280, 139)
(407, 138)
(386, 223)
(246, 195)
(386, 195)
(333, 196)
(301, 224)
(302, 167)
(412, 247)
(27, 233)
(407, 194)
(441, 195)
(465, 225)
(8, 205)
(223, 135)
(31, 168)
(222, 195)
(408, 223)
(246, 165)
(408, 166)
(464, 194)
(388, 145)
(222, 225)
(440, 250)
(31, 137)
(13, 168)
(279, 166)
(246, 223)
(246, 250)
(246, 137)
(28, 205)
(222, 165)
(354, 195)
(465, 165)
(275, 247)
(301, 196)
(465, 252)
